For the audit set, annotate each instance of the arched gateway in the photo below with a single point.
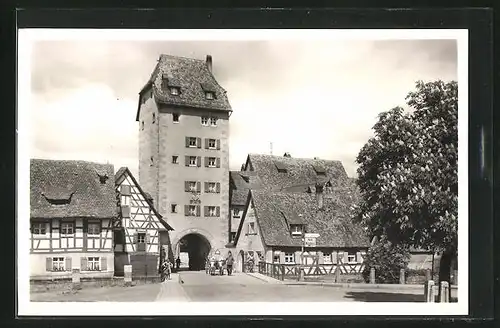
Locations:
(193, 245)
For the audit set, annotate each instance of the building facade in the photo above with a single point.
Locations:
(72, 208)
(183, 115)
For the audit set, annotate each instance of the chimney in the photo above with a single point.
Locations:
(209, 63)
(319, 196)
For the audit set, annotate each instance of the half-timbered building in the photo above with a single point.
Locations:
(141, 235)
(274, 225)
(72, 207)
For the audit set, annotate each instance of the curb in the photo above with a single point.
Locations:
(268, 280)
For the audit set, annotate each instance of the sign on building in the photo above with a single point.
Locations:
(310, 239)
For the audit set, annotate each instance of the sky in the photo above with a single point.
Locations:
(316, 98)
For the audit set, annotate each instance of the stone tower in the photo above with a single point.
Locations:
(183, 116)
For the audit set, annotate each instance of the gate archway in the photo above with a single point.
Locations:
(197, 247)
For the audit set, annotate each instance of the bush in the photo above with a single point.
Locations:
(388, 260)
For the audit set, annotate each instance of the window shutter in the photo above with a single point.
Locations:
(126, 211)
(206, 143)
(198, 142)
(83, 264)
(186, 210)
(135, 238)
(206, 161)
(48, 264)
(218, 211)
(282, 257)
(187, 141)
(345, 257)
(125, 190)
(218, 187)
(248, 228)
(31, 227)
(146, 238)
(187, 160)
(218, 144)
(205, 210)
(67, 265)
(358, 257)
(104, 264)
(85, 226)
(186, 185)
(198, 186)
(206, 186)
(218, 161)
(199, 161)
(334, 257)
(198, 210)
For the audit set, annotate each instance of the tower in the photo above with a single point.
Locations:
(183, 116)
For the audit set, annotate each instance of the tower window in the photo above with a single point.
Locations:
(211, 143)
(213, 121)
(174, 91)
(192, 160)
(175, 117)
(192, 142)
(204, 121)
(175, 159)
(152, 161)
(211, 161)
(142, 125)
(173, 208)
(209, 95)
(154, 118)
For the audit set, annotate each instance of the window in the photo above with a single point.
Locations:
(58, 264)
(236, 213)
(192, 186)
(175, 117)
(212, 187)
(151, 161)
(209, 95)
(192, 142)
(351, 257)
(296, 230)
(327, 258)
(67, 228)
(192, 160)
(93, 264)
(251, 228)
(212, 162)
(289, 258)
(142, 125)
(213, 121)
(173, 208)
(39, 228)
(212, 211)
(141, 238)
(174, 91)
(94, 228)
(211, 143)
(192, 210)
(154, 118)
(276, 258)
(175, 159)
(204, 121)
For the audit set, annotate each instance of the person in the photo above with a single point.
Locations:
(178, 263)
(163, 270)
(229, 263)
(168, 269)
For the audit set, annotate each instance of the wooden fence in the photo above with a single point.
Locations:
(282, 271)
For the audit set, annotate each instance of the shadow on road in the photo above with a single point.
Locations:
(384, 297)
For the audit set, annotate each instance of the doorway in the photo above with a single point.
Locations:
(197, 248)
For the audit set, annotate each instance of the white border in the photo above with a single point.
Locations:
(27, 37)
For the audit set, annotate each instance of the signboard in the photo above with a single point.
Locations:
(310, 239)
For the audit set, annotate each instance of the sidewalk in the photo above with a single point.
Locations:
(264, 278)
(172, 291)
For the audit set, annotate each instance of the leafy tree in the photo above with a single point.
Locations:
(387, 260)
(407, 173)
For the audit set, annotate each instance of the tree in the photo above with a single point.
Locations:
(387, 260)
(407, 173)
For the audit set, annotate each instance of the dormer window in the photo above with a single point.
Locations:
(296, 229)
(319, 170)
(174, 91)
(209, 95)
(280, 167)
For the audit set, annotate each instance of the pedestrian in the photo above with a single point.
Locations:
(229, 263)
(163, 270)
(168, 271)
(178, 263)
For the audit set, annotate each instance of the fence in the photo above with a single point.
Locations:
(282, 271)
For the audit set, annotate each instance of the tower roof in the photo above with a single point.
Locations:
(193, 78)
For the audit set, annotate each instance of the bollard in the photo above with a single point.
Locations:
(127, 274)
(372, 275)
(429, 291)
(402, 276)
(428, 274)
(75, 278)
(445, 292)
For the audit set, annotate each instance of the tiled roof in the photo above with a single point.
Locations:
(300, 172)
(147, 197)
(275, 211)
(70, 189)
(193, 78)
(241, 183)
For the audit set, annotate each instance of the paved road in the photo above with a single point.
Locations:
(241, 287)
